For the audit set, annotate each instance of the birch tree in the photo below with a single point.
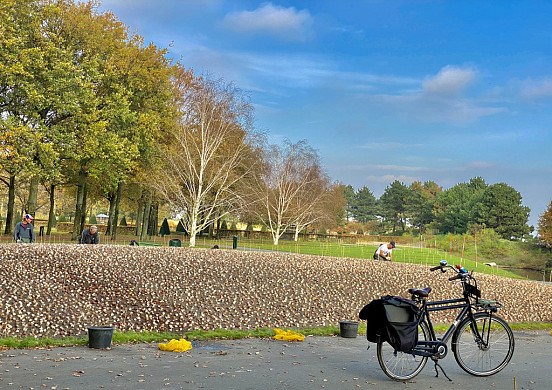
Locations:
(211, 155)
(291, 188)
(310, 203)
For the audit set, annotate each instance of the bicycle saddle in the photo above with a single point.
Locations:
(424, 292)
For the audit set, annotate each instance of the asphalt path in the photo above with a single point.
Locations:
(316, 363)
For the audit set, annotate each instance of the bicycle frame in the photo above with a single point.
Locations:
(430, 347)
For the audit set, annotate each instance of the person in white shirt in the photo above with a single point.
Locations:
(384, 252)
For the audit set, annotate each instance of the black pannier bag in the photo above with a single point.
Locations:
(394, 319)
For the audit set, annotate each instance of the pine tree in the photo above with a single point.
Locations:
(180, 228)
(165, 230)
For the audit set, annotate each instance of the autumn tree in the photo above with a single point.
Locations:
(290, 172)
(210, 155)
(311, 202)
(545, 225)
(21, 53)
(333, 208)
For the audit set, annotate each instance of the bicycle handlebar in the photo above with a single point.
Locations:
(461, 273)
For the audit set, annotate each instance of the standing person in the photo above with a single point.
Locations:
(384, 252)
(90, 236)
(24, 230)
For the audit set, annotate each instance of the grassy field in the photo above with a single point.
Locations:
(403, 254)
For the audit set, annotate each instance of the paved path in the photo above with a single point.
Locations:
(316, 363)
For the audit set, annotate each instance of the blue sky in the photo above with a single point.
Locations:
(384, 90)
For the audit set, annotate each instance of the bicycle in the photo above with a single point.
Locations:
(482, 342)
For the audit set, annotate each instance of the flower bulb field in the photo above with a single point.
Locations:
(61, 289)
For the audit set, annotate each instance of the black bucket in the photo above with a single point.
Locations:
(348, 329)
(100, 336)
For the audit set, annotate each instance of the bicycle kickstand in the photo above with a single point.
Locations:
(437, 371)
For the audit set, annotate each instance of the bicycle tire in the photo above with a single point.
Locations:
(474, 356)
(401, 366)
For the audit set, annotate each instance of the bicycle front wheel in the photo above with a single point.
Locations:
(402, 366)
(483, 347)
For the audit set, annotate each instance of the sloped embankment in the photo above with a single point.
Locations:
(61, 289)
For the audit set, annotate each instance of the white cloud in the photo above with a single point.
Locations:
(286, 22)
(441, 99)
(450, 81)
(536, 89)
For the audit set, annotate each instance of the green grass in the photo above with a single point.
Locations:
(150, 337)
(403, 254)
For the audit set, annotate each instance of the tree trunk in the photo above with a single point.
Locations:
(154, 220)
(276, 236)
(193, 228)
(139, 215)
(11, 204)
(33, 194)
(296, 236)
(84, 205)
(116, 212)
(147, 213)
(212, 230)
(112, 197)
(77, 226)
(51, 215)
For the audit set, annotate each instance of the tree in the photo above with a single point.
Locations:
(349, 194)
(421, 203)
(311, 202)
(331, 208)
(210, 155)
(290, 188)
(501, 209)
(165, 230)
(455, 208)
(545, 226)
(180, 227)
(392, 204)
(125, 101)
(21, 57)
(364, 205)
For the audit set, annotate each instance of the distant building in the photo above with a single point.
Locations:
(102, 219)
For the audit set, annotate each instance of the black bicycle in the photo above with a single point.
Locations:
(482, 342)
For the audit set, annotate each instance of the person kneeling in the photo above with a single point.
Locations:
(90, 236)
(384, 252)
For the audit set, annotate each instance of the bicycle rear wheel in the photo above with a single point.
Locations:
(402, 366)
(483, 347)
